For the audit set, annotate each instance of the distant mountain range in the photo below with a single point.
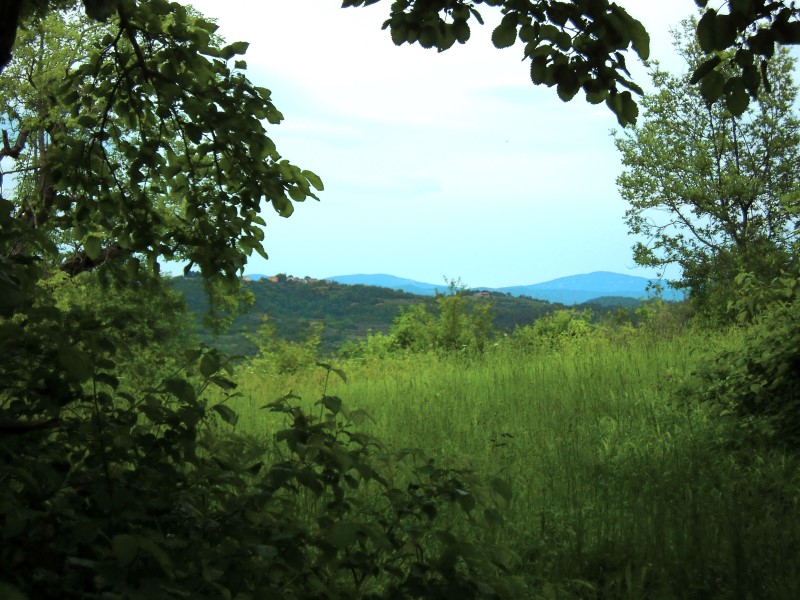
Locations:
(574, 289)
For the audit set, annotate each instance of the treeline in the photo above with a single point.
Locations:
(344, 315)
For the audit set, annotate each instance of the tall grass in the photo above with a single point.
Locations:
(622, 489)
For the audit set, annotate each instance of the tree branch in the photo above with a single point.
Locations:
(20, 427)
(80, 261)
(15, 150)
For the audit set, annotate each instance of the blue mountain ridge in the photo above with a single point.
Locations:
(573, 289)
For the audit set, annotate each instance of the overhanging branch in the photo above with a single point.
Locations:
(80, 261)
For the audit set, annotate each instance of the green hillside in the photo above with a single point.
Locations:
(348, 312)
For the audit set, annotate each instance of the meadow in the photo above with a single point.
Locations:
(623, 487)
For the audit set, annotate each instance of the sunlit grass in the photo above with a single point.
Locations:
(622, 489)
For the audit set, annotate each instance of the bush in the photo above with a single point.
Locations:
(557, 331)
(759, 380)
(280, 356)
(140, 495)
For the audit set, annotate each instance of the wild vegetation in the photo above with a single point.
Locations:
(347, 313)
(567, 458)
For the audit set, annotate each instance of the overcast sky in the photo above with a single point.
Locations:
(435, 166)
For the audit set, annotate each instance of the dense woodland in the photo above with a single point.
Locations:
(465, 447)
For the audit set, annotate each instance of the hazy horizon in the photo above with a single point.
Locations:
(435, 165)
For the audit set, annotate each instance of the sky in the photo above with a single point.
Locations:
(437, 166)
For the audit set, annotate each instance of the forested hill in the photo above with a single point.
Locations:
(347, 311)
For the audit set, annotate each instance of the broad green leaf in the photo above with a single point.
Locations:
(567, 82)
(705, 68)
(712, 86)
(736, 97)
(706, 31)
(399, 33)
(640, 39)
(100, 10)
(332, 403)
(181, 389)
(125, 548)
(505, 34)
(724, 31)
(10, 592)
(342, 534)
(461, 31)
(539, 70)
(227, 413)
(209, 364)
(92, 245)
(162, 558)
(223, 382)
(501, 487)
(76, 363)
(629, 111)
(314, 180)
(233, 49)
(427, 37)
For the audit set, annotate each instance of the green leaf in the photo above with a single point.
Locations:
(712, 86)
(493, 517)
(342, 534)
(162, 558)
(505, 34)
(332, 403)
(427, 37)
(100, 10)
(629, 111)
(314, 180)
(539, 70)
(125, 547)
(466, 501)
(10, 592)
(501, 487)
(706, 31)
(223, 382)
(399, 33)
(76, 363)
(209, 364)
(640, 39)
(231, 50)
(724, 31)
(181, 389)
(736, 97)
(461, 31)
(227, 413)
(568, 84)
(93, 247)
(705, 68)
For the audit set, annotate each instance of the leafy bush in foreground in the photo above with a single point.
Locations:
(133, 495)
(759, 379)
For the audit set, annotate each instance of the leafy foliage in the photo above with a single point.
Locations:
(216, 520)
(739, 40)
(759, 380)
(139, 140)
(571, 46)
(713, 192)
(282, 356)
(349, 313)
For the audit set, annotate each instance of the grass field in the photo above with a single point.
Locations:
(622, 488)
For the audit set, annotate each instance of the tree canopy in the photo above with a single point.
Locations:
(144, 139)
(709, 191)
(576, 45)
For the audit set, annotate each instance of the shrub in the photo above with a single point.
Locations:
(140, 495)
(759, 380)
